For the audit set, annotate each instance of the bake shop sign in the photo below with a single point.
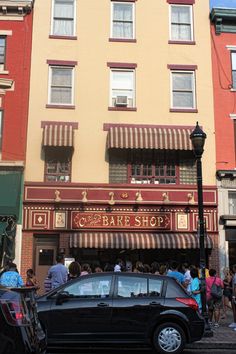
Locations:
(160, 221)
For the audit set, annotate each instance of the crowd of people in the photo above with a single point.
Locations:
(220, 293)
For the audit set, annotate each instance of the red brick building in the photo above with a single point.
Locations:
(223, 32)
(15, 59)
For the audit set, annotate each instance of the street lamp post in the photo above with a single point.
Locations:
(198, 138)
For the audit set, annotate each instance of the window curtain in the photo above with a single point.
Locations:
(182, 90)
(2, 50)
(180, 23)
(122, 21)
(61, 87)
(63, 18)
(233, 58)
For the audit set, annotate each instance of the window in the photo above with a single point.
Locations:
(61, 85)
(183, 89)
(149, 166)
(63, 22)
(181, 23)
(91, 288)
(232, 203)
(1, 130)
(122, 20)
(58, 164)
(233, 60)
(122, 88)
(2, 52)
(135, 287)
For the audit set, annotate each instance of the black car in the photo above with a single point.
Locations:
(121, 308)
(21, 331)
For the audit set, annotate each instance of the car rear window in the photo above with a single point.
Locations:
(174, 289)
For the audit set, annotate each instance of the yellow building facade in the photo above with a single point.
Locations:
(117, 77)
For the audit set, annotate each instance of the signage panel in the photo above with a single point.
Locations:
(154, 221)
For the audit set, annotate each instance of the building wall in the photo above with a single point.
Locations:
(15, 101)
(92, 50)
(222, 80)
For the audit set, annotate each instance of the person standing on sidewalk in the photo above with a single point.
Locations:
(214, 304)
(233, 324)
(58, 273)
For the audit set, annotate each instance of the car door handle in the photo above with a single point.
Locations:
(102, 304)
(154, 303)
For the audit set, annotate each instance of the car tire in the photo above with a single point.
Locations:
(169, 338)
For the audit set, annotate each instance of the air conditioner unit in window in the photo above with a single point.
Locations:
(121, 101)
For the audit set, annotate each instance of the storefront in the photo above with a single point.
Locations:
(98, 224)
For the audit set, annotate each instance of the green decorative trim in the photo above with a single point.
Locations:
(224, 20)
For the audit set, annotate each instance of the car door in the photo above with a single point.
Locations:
(130, 307)
(85, 312)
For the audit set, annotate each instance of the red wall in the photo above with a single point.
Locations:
(15, 103)
(224, 100)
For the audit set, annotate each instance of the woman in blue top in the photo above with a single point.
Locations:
(195, 288)
(11, 278)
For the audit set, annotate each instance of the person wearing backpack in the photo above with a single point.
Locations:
(214, 294)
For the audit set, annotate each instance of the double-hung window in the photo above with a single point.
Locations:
(2, 52)
(233, 60)
(122, 88)
(232, 203)
(122, 26)
(1, 130)
(61, 85)
(181, 26)
(63, 20)
(58, 164)
(183, 89)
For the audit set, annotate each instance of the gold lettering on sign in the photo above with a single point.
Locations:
(116, 220)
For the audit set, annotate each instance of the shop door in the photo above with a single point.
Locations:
(45, 258)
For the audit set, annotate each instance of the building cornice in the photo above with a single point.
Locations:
(223, 19)
(15, 7)
(226, 174)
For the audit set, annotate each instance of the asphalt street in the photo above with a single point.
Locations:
(115, 351)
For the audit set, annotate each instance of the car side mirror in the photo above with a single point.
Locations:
(62, 297)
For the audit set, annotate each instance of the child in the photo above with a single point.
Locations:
(31, 279)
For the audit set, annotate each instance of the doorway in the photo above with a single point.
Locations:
(45, 256)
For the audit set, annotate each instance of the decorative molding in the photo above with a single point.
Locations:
(14, 8)
(62, 62)
(181, 67)
(224, 20)
(121, 65)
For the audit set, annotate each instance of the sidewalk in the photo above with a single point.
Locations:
(223, 338)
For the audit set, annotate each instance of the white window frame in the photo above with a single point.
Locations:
(191, 25)
(111, 85)
(51, 67)
(193, 87)
(52, 21)
(233, 53)
(111, 17)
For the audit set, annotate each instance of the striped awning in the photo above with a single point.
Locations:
(58, 133)
(129, 240)
(158, 137)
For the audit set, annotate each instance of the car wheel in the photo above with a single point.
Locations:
(169, 338)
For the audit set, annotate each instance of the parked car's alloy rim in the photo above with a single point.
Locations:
(169, 339)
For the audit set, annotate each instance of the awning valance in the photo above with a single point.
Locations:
(159, 137)
(129, 240)
(58, 133)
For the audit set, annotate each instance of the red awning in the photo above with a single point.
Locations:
(159, 137)
(58, 133)
(130, 240)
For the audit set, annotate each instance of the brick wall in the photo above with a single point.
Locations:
(27, 253)
(214, 257)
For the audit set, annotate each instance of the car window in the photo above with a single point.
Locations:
(155, 287)
(132, 287)
(90, 287)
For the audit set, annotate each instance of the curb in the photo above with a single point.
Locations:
(211, 345)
